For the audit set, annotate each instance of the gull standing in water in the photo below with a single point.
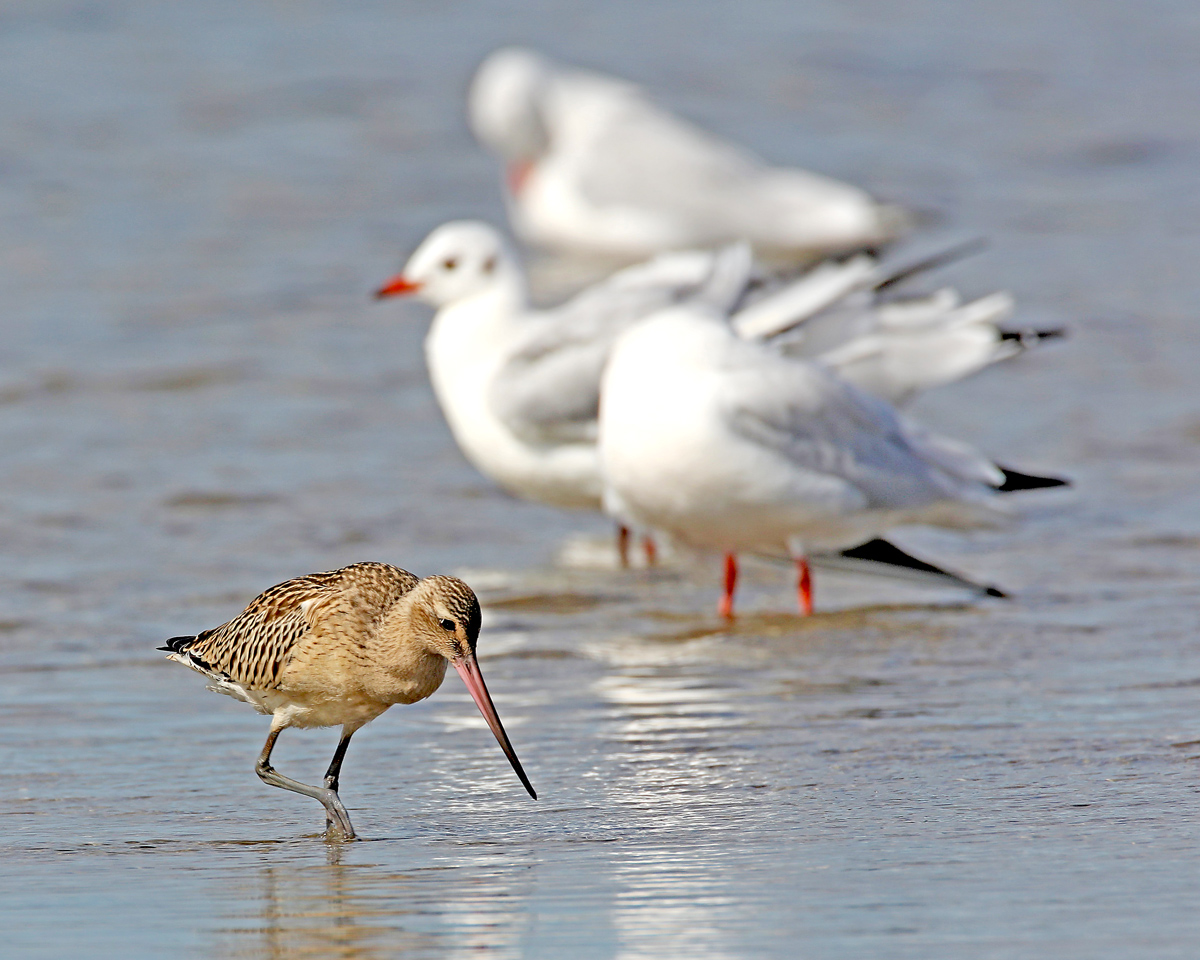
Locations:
(730, 446)
(596, 168)
(520, 388)
(338, 649)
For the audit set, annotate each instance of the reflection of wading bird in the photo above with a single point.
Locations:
(594, 167)
(339, 648)
(520, 388)
(730, 446)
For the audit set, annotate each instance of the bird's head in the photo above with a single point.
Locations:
(445, 618)
(504, 104)
(457, 260)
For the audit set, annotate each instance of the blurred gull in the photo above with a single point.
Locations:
(520, 388)
(728, 445)
(595, 168)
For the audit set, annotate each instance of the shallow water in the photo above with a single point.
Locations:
(197, 399)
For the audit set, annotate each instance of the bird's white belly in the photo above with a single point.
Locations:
(717, 493)
(327, 713)
(294, 710)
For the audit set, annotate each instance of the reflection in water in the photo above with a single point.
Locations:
(670, 907)
(672, 733)
(325, 911)
(361, 911)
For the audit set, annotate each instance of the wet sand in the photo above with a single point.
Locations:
(198, 399)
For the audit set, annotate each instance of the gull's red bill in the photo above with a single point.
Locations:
(397, 286)
(468, 669)
(517, 173)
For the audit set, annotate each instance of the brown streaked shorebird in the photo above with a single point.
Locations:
(340, 648)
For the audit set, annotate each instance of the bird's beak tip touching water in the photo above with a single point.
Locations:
(397, 286)
(468, 669)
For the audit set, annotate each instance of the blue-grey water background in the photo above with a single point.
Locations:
(198, 399)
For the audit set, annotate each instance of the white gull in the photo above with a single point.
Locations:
(728, 445)
(596, 168)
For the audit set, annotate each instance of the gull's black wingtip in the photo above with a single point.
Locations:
(1027, 338)
(883, 552)
(1014, 480)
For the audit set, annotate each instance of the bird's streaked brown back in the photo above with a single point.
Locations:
(254, 647)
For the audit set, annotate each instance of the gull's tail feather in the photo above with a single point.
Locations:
(889, 275)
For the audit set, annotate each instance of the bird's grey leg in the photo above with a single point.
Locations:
(332, 775)
(338, 826)
(335, 765)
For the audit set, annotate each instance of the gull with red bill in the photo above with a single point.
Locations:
(339, 648)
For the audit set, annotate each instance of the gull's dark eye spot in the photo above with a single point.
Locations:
(447, 624)
(489, 264)
(450, 263)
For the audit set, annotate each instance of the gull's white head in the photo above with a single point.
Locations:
(503, 105)
(458, 260)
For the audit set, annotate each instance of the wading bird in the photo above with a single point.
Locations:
(339, 648)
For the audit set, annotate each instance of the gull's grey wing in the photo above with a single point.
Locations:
(548, 390)
(635, 159)
(827, 427)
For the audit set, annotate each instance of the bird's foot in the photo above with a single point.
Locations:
(338, 827)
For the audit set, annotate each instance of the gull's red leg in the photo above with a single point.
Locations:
(651, 550)
(725, 607)
(804, 586)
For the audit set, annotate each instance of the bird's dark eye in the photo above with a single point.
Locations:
(448, 624)
(489, 264)
(450, 263)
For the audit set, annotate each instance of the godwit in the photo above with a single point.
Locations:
(730, 446)
(595, 168)
(520, 387)
(339, 648)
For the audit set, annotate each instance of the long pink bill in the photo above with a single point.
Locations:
(468, 669)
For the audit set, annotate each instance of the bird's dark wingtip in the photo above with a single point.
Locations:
(1028, 338)
(1014, 480)
(882, 551)
(176, 644)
